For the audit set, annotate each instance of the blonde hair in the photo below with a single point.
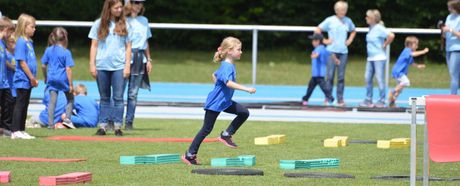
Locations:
(128, 7)
(341, 4)
(410, 40)
(8, 41)
(227, 44)
(23, 21)
(376, 15)
(6, 23)
(81, 89)
(58, 36)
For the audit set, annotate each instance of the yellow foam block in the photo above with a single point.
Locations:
(343, 140)
(265, 141)
(383, 144)
(331, 142)
(280, 138)
(405, 141)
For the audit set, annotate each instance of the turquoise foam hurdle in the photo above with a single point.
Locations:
(150, 159)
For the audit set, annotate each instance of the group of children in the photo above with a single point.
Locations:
(18, 76)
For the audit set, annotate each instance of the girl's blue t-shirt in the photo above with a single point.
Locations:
(3, 69)
(87, 109)
(10, 72)
(452, 41)
(375, 39)
(401, 67)
(318, 65)
(337, 30)
(220, 98)
(140, 33)
(57, 59)
(111, 51)
(24, 51)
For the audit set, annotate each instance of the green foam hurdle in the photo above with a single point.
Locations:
(244, 160)
(310, 164)
(150, 159)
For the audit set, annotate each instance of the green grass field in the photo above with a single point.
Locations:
(303, 141)
(277, 67)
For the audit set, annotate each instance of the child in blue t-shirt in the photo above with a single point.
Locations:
(401, 67)
(57, 66)
(86, 109)
(11, 62)
(25, 76)
(220, 99)
(319, 58)
(6, 104)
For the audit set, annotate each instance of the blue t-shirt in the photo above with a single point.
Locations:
(61, 103)
(375, 39)
(337, 30)
(3, 74)
(401, 66)
(318, 65)
(452, 41)
(87, 109)
(57, 58)
(24, 51)
(111, 51)
(220, 98)
(10, 72)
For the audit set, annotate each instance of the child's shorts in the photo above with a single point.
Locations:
(404, 81)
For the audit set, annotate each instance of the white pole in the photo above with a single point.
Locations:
(413, 142)
(254, 56)
(387, 71)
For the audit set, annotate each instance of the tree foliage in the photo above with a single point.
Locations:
(395, 14)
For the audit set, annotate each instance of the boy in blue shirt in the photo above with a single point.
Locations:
(319, 58)
(401, 67)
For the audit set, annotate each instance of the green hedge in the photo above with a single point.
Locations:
(395, 13)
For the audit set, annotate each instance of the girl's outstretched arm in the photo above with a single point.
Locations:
(237, 86)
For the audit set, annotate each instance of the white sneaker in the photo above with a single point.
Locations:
(18, 135)
(67, 123)
(28, 136)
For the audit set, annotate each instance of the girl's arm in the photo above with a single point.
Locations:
(419, 52)
(314, 55)
(25, 68)
(351, 38)
(92, 58)
(237, 86)
(454, 32)
(45, 74)
(418, 65)
(68, 71)
(214, 79)
(389, 39)
(149, 60)
(127, 69)
(11, 66)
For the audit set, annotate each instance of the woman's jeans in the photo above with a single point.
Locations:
(331, 68)
(453, 63)
(376, 68)
(111, 86)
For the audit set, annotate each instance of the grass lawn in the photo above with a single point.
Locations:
(277, 67)
(303, 141)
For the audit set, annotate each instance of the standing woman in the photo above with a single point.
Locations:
(378, 38)
(141, 61)
(337, 27)
(109, 62)
(451, 32)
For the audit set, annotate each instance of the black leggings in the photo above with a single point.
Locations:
(210, 119)
(6, 107)
(20, 109)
